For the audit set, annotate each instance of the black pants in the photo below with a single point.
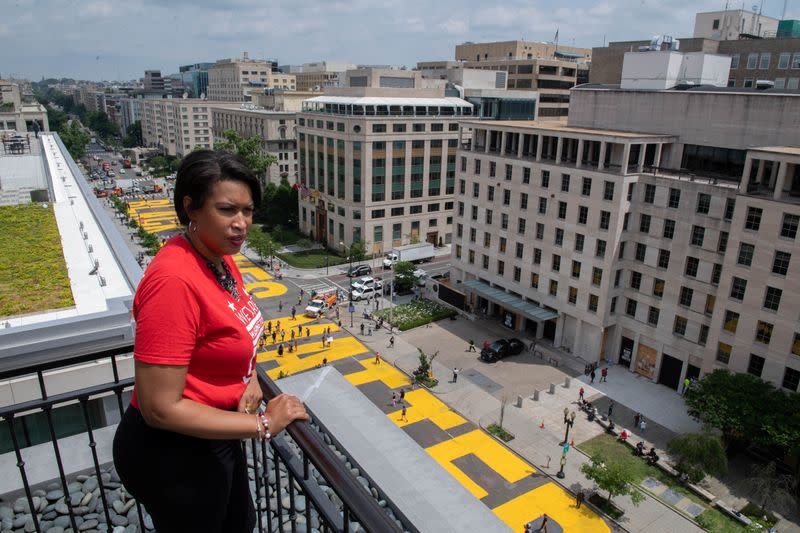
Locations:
(185, 483)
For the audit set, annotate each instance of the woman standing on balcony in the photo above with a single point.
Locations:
(177, 447)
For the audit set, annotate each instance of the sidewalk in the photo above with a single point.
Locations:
(541, 447)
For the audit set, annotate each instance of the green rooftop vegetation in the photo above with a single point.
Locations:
(33, 274)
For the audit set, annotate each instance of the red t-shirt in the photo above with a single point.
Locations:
(184, 317)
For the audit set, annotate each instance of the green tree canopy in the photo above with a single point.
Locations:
(698, 454)
(260, 242)
(74, 139)
(404, 276)
(134, 135)
(746, 409)
(358, 251)
(612, 476)
(248, 149)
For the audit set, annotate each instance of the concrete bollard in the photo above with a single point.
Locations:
(535, 395)
(552, 388)
(519, 401)
(567, 381)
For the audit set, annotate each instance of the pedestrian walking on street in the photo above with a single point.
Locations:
(294, 313)
(642, 426)
(377, 358)
(636, 418)
(394, 399)
(278, 324)
(592, 375)
(295, 345)
(283, 334)
(610, 409)
(280, 350)
(455, 374)
(302, 293)
(362, 328)
(323, 340)
(543, 525)
(274, 336)
(579, 499)
(580, 395)
(269, 326)
(292, 331)
(604, 374)
(330, 341)
(299, 330)
(403, 415)
(686, 383)
(299, 300)
(402, 395)
(391, 341)
(308, 332)
(280, 305)
(471, 346)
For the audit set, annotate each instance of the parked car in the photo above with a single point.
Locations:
(359, 270)
(502, 348)
(362, 293)
(366, 281)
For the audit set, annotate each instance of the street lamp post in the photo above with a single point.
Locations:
(569, 420)
(560, 473)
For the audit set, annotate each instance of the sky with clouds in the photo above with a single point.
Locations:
(118, 40)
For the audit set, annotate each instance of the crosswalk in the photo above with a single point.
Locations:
(315, 285)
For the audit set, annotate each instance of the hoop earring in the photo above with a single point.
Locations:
(193, 226)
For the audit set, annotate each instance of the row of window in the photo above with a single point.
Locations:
(412, 210)
(755, 366)
(380, 127)
(780, 83)
(762, 61)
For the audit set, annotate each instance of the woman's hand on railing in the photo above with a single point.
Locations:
(282, 410)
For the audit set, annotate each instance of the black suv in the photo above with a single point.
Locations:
(502, 348)
(359, 270)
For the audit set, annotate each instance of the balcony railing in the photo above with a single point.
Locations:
(304, 464)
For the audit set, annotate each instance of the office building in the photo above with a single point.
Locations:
(177, 125)
(321, 75)
(734, 24)
(195, 79)
(377, 164)
(236, 80)
(640, 231)
(19, 115)
(153, 81)
(275, 129)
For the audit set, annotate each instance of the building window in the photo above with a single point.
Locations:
(492, 169)
(537, 256)
(710, 301)
(586, 187)
(521, 226)
(636, 280)
(730, 206)
(796, 344)
(746, 252)
(506, 197)
(489, 193)
(734, 61)
(789, 226)
(698, 235)
(608, 190)
(534, 280)
(617, 277)
(702, 338)
(715, 24)
(600, 249)
(724, 352)
(545, 179)
(553, 288)
(520, 249)
(504, 221)
(509, 172)
(556, 263)
(579, 240)
(763, 332)
(752, 61)
(649, 193)
(783, 60)
(716, 273)
(630, 191)
(756, 365)
(539, 231)
(780, 265)
(573, 295)
(605, 220)
(652, 316)
(564, 182)
(612, 308)
(674, 198)
(685, 298)
(763, 60)
(644, 223)
(472, 257)
(692, 265)
(663, 258)
(641, 252)
(517, 273)
(703, 203)
(722, 243)
(679, 327)
(630, 307)
(501, 268)
(753, 220)
(748, 83)
(593, 301)
(583, 214)
(523, 201)
(669, 229)
(658, 287)
(542, 205)
(562, 210)
(478, 167)
(576, 269)
(621, 254)
(791, 377)
(597, 276)
(526, 176)
(738, 288)
(772, 298)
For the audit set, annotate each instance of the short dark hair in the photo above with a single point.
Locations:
(201, 169)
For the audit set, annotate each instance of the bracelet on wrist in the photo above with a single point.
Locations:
(265, 424)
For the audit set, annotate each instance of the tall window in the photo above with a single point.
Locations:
(753, 220)
(703, 203)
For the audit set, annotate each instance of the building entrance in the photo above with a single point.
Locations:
(670, 374)
(626, 352)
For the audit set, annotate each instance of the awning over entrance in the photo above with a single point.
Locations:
(509, 301)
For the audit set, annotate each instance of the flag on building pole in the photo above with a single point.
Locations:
(555, 40)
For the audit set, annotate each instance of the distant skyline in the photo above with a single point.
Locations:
(104, 40)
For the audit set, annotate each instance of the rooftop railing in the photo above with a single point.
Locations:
(301, 480)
